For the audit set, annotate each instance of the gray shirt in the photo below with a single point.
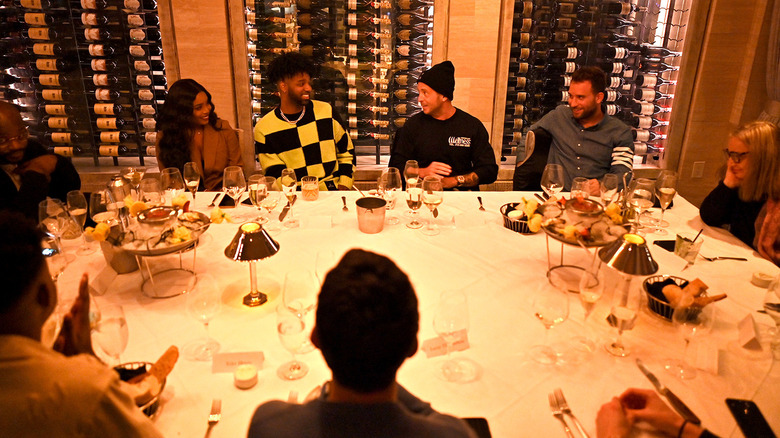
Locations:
(607, 147)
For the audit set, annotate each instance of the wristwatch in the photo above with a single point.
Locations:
(461, 180)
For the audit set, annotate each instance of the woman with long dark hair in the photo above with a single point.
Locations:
(189, 130)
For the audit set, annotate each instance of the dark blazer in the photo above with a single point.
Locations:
(36, 187)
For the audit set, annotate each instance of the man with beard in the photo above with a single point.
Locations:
(302, 133)
(585, 141)
(30, 174)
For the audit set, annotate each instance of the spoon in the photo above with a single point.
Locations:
(344, 200)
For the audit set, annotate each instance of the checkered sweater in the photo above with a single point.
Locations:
(317, 145)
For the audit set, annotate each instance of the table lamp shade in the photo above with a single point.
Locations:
(630, 255)
(251, 243)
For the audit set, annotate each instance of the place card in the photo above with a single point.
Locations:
(437, 347)
(748, 335)
(228, 362)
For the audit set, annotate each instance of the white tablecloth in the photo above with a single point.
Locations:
(500, 271)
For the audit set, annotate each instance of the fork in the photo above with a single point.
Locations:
(481, 207)
(215, 415)
(564, 405)
(714, 259)
(557, 413)
(344, 201)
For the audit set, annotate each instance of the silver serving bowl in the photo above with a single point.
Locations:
(583, 212)
(157, 218)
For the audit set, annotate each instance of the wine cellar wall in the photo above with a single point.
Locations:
(637, 43)
(370, 54)
(88, 75)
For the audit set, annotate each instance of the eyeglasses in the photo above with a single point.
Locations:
(735, 156)
(22, 136)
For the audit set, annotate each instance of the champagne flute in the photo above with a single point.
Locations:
(609, 188)
(150, 192)
(258, 191)
(451, 322)
(552, 179)
(171, 183)
(203, 303)
(300, 296)
(53, 217)
(191, 177)
(292, 334)
(690, 322)
(640, 197)
(411, 173)
(289, 182)
(432, 197)
(270, 202)
(390, 185)
(414, 201)
(102, 208)
(551, 307)
(665, 189)
(133, 175)
(591, 288)
(111, 332)
(77, 206)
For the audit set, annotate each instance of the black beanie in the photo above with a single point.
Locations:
(440, 77)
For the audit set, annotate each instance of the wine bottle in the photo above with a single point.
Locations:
(153, 80)
(413, 18)
(365, 81)
(67, 151)
(514, 124)
(648, 108)
(650, 95)
(366, 111)
(55, 94)
(107, 109)
(101, 50)
(110, 123)
(101, 64)
(149, 123)
(404, 94)
(58, 80)
(354, 34)
(524, 7)
(65, 137)
(657, 52)
(44, 4)
(365, 18)
(261, 5)
(98, 34)
(618, 8)
(645, 135)
(147, 34)
(114, 136)
(560, 68)
(261, 19)
(511, 137)
(646, 122)
(94, 19)
(59, 122)
(43, 33)
(656, 66)
(256, 35)
(49, 49)
(414, 4)
(616, 97)
(650, 81)
(354, 122)
(113, 150)
(106, 94)
(139, 50)
(150, 137)
(47, 18)
(145, 66)
(366, 96)
(355, 134)
(56, 109)
(366, 5)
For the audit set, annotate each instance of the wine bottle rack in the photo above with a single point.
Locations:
(370, 53)
(637, 43)
(88, 75)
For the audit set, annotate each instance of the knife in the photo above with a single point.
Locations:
(287, 208)
(677, 404)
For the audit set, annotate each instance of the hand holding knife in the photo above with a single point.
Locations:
(675, 401)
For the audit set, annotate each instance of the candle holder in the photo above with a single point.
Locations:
(252, 243)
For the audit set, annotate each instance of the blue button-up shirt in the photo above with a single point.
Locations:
(607, 147)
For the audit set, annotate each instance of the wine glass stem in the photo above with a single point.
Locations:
(206, 327)
(619, 340)
(685, 351)
(661, 219)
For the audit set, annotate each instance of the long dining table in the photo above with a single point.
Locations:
(500, 272)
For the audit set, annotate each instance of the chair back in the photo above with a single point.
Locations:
(528, 173)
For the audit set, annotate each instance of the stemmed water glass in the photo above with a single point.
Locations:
(111, 331)
(150, 192)
(609, 188)
(591, 288)
(77, 206)
(414, 201)
(641, 192)
(203, 303)
(665, 189)
(258, 191)
(552, 179)
(234, 183)
(300, 297)
(191, 177)
(389, 186)
(270, 202)
(172, 183)
(451, 322)
(432, 197)
(690, 322)
(623, 314)
(289, 182)
(133, 175)
(411, 174)
(292, 334)
(551, 307)
(54, 218)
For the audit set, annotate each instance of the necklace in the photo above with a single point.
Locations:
(290, 121)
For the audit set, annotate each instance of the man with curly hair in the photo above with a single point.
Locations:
(302, 133)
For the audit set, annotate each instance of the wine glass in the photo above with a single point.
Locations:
(690, 322)
(53, 217)
(640, 197)
(150, 192)
(55, 259)
(191, 177)
(172, 183)
(292, 334)
(102, 208)
(411, 173)
(623, 314)
(665, 189)
(77, 206)
(133, 175)
(390, 185)
(579, 188)
(432, 197)
(551, 307)
(552, 179)
(270, 202)
(258, 191)
(289, 182)
(111, 331)
(300, 296)
(203, 303)
(414, 201)
(451, 323)
(591, 288)
(609, 188)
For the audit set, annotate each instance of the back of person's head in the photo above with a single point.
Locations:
(175, 121)
(20, 257)
(367, 321)
(762, 178)
(288, 65)
(592, 74)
